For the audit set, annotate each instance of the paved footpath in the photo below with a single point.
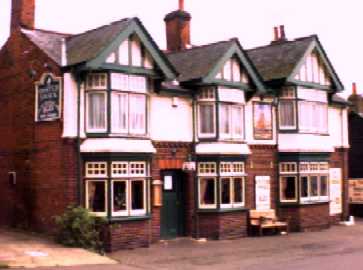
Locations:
(337, 248)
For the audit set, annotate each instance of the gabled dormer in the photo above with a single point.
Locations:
(304, 80)
(223, 78)
(119, 65)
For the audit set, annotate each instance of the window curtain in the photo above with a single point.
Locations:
(137, 114)
(206, 118)
(287, 113)
(119, 112)
(96, 111)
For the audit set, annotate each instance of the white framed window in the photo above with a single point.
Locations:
(206, 120)
(206, 94)
(314, 181)
(313, 117)
(232, 168)
(207, 168)
(96, 197)
(232, 192)
(96, 112)
(138, 168)
(119, 169)
(288, 188)
(207, 192)
(96, 169)
(288, 167)
(128, 113)
(97, 81)
(138, 197)
(120, 198)
(287, 114)
(231, 121)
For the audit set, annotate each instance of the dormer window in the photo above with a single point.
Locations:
(309, 106)
(230, 109)
(127, 110)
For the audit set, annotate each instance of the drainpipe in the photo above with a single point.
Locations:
(79, 183)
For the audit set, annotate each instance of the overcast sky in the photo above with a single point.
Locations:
(338, 23)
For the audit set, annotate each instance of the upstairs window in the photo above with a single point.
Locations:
(287, 109)
(231, 121)
(206, 113)
(96, 114)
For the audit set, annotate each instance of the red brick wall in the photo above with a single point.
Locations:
(306, 217)
(228, 225)
(261, 162)
(44, 162)
(127, 235)
(339, 159)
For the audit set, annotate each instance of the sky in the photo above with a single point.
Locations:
(337, 23)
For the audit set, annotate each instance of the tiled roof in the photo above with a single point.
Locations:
(278, 60)
(197, 62)
(88, 45)
(49, 42)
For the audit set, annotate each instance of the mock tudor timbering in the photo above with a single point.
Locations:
(164, 144)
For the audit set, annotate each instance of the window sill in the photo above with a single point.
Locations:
(129, 218)
(223, 210)
(298, 204)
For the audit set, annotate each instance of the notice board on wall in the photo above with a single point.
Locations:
(263, 192)
(356, 191)
(335, 187)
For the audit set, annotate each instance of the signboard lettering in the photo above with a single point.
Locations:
(263, 193)
(48, 98)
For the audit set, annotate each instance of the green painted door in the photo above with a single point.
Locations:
(172, 212)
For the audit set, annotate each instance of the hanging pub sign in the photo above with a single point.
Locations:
(48, 98)
(262, 118)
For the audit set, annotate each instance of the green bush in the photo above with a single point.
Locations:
(78, 228)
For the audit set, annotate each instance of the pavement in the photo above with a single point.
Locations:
(18, 249)
(338, 248)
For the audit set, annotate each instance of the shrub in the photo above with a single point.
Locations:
(78, 228)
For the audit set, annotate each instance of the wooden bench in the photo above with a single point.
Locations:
(267, 219)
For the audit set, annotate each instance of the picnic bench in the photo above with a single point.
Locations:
(267, 219)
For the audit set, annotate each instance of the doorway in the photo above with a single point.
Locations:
(173, 210)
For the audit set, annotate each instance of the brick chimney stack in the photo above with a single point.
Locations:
(22, 14)
(279, 34)
(178, 29)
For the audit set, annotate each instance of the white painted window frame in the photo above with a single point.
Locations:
(96, 130)
(101, 214)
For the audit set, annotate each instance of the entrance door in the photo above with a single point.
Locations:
(172, 211)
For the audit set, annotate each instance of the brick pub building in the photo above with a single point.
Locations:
(181, 142)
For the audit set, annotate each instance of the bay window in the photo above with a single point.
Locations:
(312, 178)
(128, 183)
(230, 183)
(230, 122)
(128, 105)
(309, 105)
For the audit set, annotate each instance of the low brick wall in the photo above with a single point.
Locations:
(127, 235)
(226, 225)
(307, 217)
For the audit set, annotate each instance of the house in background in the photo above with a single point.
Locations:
(355, 152)
(164, 144)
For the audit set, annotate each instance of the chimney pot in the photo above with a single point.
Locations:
(276, 33)
(282, 32)
(354, 88)
(181, 5)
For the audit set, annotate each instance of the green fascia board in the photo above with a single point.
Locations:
(310, 85)
(236, 49)
(315, 44)
(219, 82)
(130, 69)
(136, 27)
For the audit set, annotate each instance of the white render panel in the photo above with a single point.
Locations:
(338, 126)
(250, 128)
(113, 145)
(171, 119)
(231, 95)
(70, 106)
(222, 148)
(310, 143)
